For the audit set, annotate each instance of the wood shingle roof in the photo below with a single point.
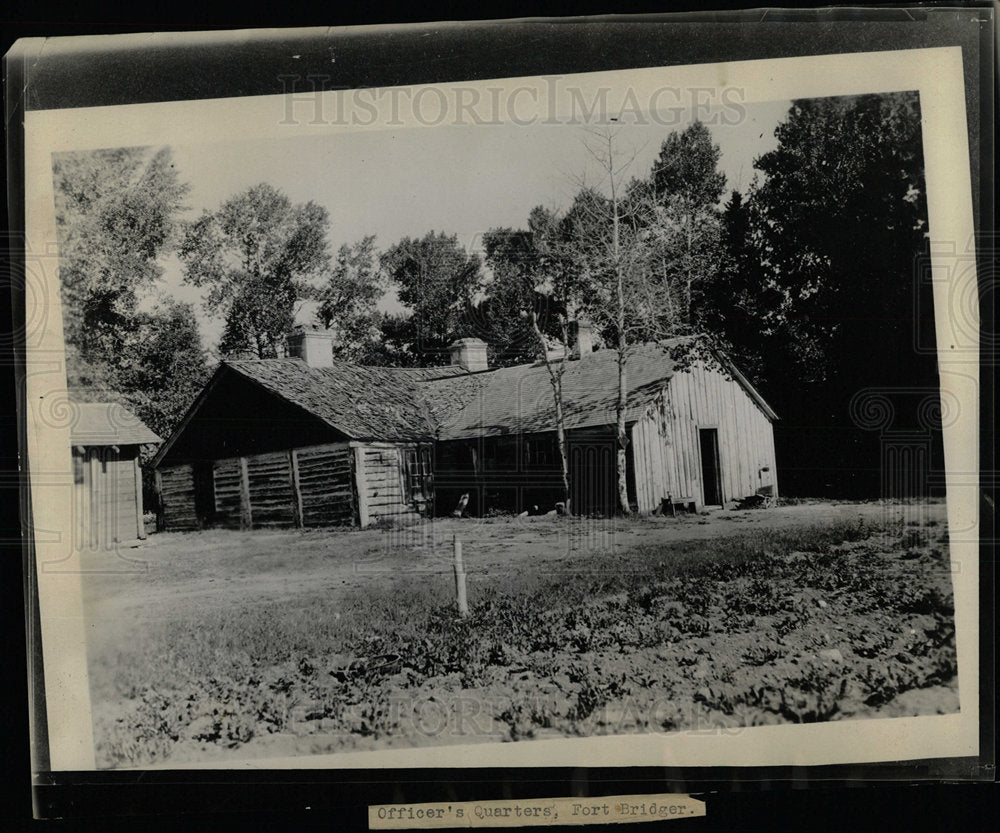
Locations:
(364, 403)
(108, 423)
(392, 404)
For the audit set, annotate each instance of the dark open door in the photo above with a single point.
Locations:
(204, 492)
(710, 476)
(592, 476)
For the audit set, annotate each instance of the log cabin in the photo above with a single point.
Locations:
(309, 441)
(107, 480)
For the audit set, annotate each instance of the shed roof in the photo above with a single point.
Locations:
(108, 423)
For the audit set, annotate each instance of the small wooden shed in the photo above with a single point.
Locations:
(107, 478)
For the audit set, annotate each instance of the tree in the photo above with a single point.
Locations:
(611, 250)
(687, 167)
(437, 280)
(687, 185)
(528, 306)
(348, 300)
(839, 218)
(554, 276)
(732, 303)
(516, 290)
(835, 226)
(163, 368)
(394, 346)
(646, 250)
(259, 256)
(116, 213)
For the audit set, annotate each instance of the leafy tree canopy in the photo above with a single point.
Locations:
(687, 167)
(522, 265)
(157, 373)
(836, 225)
(163, 369)
(115, 214)
(259, 255)
(349, 298)
(436, 279)
(827, 282)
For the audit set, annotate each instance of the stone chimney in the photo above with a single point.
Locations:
(312, 345)
(583, 338)
(469, 353)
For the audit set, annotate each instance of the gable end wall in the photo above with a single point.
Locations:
(666, 450)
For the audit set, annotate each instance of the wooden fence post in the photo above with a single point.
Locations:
(463, 603)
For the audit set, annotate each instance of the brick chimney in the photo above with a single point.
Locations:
(312, 345)
(583, 338)
(469, 353)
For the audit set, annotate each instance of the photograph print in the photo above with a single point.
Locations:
(469, 427)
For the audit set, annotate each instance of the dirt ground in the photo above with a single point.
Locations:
(175, 573)
(214, 644)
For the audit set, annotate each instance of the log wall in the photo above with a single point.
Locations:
(270, 484)
(176, 486)
(228, 492)
(665, 446)
(326, 484)
(312, 486)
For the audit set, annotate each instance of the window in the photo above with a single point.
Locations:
(416, 473)
(456, 456)
(541, 453)
(499, 453)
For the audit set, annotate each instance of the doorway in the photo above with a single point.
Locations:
(204, 492)
(711, 477)
(593, 488)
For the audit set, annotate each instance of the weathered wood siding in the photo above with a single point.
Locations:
(272, 500)
(310, 486)
(380, 483)
(108, 496)
(228, 478)
(326, 484)
(665, 445)
(176, 484)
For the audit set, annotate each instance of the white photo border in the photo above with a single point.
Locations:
(936, 73)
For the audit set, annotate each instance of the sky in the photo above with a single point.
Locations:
(459, 179)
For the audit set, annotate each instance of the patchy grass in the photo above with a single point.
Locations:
(802, 624)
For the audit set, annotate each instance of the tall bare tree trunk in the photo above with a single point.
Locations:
(555, 378)
(621, 458)
(563, 452)
(621, 461)
(687, 265)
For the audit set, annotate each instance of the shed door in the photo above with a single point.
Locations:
(711, 477)
(116, 487)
